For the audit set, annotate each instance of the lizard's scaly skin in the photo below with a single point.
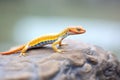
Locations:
(54, 39)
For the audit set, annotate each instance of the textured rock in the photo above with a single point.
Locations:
(81, 62)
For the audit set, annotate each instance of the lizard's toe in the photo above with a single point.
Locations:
(22, 54)
(61, 51)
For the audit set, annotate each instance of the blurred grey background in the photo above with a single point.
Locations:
(23, 20)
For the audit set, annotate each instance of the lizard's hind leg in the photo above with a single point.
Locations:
(23, 51)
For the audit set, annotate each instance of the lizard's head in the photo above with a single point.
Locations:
(76, 30)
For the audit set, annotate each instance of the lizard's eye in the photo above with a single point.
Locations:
(78, 29)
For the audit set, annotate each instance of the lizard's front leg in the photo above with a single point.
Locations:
(62, 44)
(55, 48)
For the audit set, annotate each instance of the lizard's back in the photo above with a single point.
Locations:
(43, 40)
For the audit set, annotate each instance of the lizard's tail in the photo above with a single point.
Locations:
(13, 50)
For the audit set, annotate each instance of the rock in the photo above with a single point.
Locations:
(81, 62)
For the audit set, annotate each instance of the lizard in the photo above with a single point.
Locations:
(53, 39)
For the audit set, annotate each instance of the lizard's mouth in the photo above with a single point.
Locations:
(78, 32)
(83, 31)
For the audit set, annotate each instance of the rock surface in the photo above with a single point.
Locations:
(81, 62)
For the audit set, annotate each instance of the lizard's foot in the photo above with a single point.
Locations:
(22, 54)
(61, 51)
(63, 44)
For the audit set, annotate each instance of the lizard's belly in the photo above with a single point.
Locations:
(41, 44)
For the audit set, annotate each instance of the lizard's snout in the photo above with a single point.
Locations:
(82, 31)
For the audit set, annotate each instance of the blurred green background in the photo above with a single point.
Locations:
(23, 20)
